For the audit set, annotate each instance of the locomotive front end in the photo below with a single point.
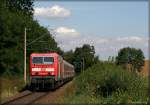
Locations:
(42, 70)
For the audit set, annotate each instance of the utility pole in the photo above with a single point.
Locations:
(83, 64)
(25, 78)
(81, 67)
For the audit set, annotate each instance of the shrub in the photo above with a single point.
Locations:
(111, 83)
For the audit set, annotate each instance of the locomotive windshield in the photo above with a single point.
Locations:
(37, 60)
(48, 60)
(42, 60)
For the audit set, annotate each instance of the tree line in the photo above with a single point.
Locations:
(15, 15)
(84, 57)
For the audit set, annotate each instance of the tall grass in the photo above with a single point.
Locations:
(108, 83)
(10, 86)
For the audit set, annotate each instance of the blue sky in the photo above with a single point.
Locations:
(102, 24)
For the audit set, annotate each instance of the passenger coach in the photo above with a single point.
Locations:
(49, 70)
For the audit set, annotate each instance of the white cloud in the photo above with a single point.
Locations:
(146, 44)
(52, 12)
(100, 41)
(130, 39)
(105, 47)
(66, 32)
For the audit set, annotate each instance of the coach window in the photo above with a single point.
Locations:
(48, 60)
(37, 60)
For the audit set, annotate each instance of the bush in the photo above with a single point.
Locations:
(106, 82)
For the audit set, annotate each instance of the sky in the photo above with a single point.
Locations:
(109, 26)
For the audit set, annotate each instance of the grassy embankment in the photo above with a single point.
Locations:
(109, 84)
(10, 85)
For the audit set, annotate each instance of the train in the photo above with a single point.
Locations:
(49, 71)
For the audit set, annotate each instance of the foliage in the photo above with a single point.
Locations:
(83, 57)
(69, 56)
(107, 83)
(25, 6)
(132, 56)
(13, 21)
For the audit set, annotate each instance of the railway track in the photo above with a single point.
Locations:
(26, 98)
(39, 98)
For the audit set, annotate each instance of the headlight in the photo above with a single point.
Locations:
(36, 69)
(49, 69)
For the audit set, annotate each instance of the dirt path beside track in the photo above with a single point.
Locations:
(57, 96)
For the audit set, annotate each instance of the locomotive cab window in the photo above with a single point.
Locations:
(48, 60)
(37, 60)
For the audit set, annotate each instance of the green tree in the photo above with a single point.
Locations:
(132, 56)
(12, 23)
(25, 6)
(69, 56)
(84, 57)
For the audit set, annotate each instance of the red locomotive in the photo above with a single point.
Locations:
(49, 70)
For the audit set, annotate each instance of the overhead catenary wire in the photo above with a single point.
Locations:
(36, 39)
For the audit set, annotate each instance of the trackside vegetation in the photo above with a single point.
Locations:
(107, 83)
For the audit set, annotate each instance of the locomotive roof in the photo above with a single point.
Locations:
(50, 54)
(44, 54)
